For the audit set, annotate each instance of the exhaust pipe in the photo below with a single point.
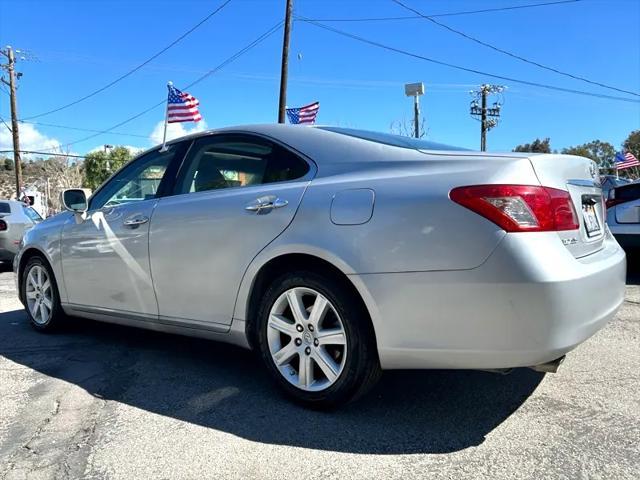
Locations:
(549, 367)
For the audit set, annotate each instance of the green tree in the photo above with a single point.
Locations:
(632, 143)
(537, 146)
(602, 153)
(98, 166)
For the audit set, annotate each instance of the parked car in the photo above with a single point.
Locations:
(623, 214)
(15, 219)
(336, 253)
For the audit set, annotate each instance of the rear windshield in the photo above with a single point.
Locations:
(628, 192)
(390, 139)
(5, 207)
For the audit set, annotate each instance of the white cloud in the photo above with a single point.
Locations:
(30, 139)
(174, 130)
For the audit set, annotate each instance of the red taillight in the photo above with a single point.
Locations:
(520, 208)
(3, 225)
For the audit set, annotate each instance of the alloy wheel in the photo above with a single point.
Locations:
(39, 294)
(307, 339)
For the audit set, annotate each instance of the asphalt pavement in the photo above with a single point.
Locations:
(103, 401)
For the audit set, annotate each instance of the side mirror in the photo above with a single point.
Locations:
(74, 200)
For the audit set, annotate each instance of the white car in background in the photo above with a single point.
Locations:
(15, 219)
(623, 214)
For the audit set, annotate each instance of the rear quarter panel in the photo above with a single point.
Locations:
(414, 226)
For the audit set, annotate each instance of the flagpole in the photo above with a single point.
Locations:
(166, 121)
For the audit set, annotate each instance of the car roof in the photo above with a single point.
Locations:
(327, 144)
(14, 206)
(12, 202)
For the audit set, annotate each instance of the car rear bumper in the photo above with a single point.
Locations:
(529, 303)
(8, 249)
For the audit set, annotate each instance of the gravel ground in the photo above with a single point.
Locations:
(102, 401)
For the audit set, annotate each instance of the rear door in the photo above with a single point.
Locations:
(234, 194)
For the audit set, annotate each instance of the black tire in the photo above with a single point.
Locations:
(361, 366)
(57, 317)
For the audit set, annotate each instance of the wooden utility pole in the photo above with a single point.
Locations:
(284, 71)
(488, 116)
(17, 165)
(483, 121)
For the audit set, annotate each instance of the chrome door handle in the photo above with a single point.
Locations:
(266, 204)
(132, 222)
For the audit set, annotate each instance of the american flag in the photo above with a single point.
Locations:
(626, 160)
(306, 114)
(182, 107)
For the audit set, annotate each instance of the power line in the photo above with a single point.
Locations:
(513, 55)
(45, 153)
(81, 129)
(464, 69)
(135, 69)
(226, 62)
(5, 124)
(467, 12)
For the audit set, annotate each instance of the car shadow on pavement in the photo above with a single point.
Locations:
(226, 388)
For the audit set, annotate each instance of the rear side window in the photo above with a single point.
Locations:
(628, 193)
(5, 207)
(237, 161)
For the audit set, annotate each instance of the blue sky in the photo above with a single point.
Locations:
(76, 47)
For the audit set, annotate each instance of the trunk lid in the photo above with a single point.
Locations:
(579, 176)
(628, 211)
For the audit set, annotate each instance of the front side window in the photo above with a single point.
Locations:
(138, 181)
(237, 161)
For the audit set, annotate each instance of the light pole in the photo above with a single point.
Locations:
(415, 90)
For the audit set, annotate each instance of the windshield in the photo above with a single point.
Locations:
(390, 139)
(5, 207)
(32, 214)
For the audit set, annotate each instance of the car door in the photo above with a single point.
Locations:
(234, 195)
(105, 258)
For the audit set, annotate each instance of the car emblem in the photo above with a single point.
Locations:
(308, 338)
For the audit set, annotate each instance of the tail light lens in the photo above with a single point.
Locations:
(520, 208)
(3, 225)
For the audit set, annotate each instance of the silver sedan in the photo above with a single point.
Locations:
(337, 253)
